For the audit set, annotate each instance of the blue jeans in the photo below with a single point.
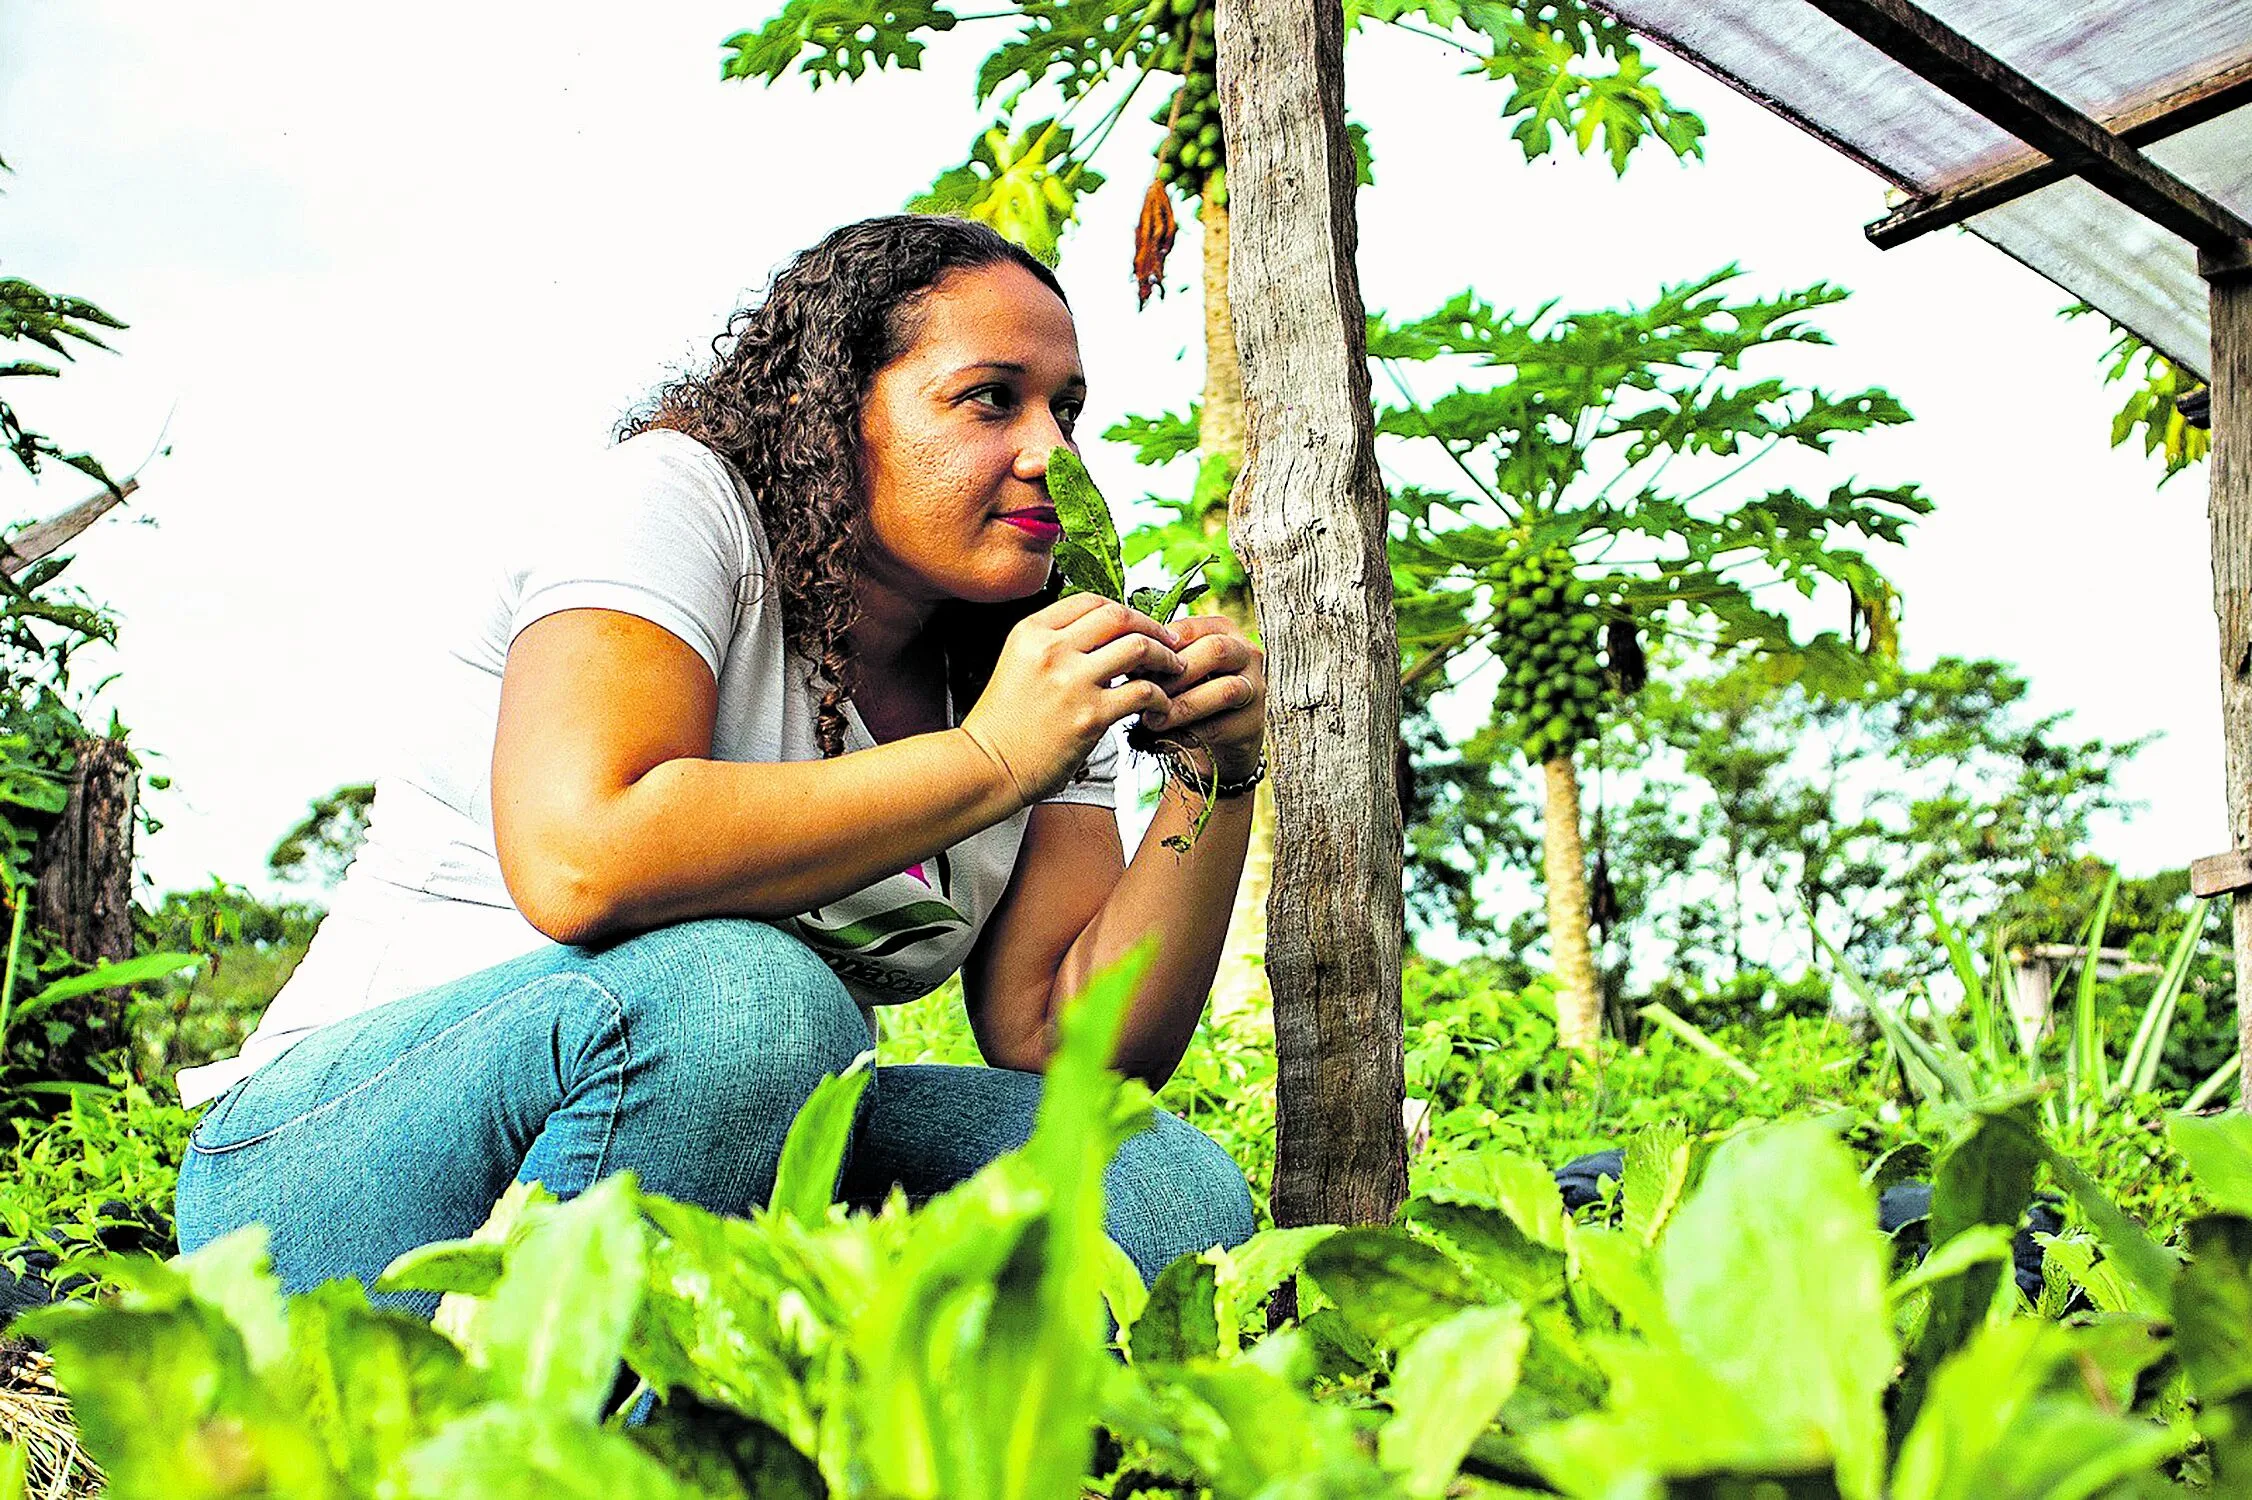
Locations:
(681, 1055)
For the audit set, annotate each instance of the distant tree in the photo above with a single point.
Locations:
(1734, 804)
(321, 847)
(1596, 515)
(1848, 808)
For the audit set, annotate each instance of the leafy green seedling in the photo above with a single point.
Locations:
(1091, 561)
(1088, 554)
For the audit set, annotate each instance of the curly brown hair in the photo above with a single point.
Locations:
(781, 404)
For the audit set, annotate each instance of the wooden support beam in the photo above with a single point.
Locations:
(1951, 62)
(2208, 99)
(2231, 518)
(1308, 518)
(2221, 874)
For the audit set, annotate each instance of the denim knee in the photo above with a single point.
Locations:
(1174, 1192)
(712, 1002)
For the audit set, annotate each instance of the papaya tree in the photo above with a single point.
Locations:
(1591, 501)
(1057, 85)
(2157, 390)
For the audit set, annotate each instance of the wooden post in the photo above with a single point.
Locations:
(1308, 518)
(84, 867)
(2231, 516)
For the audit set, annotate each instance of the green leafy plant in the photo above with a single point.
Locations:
(1698, 1332)
(951, 1349)
(1574, 76)
(103, 1163)
(1090, 561)
(2156, 390)
(1088, 555)
(2004, 1054)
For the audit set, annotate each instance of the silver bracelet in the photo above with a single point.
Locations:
(1218, 790)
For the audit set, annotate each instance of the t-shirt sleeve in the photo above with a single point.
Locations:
(1097, 786)
(654, 529)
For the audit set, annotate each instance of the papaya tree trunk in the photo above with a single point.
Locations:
(1219, 432)
(1240, 984)
(1309, 522)
(1579, 1002)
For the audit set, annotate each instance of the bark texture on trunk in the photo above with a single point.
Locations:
(84, 898)
(1309, 519)
(1241, 983)
(1579, 1002)
(2231, 516)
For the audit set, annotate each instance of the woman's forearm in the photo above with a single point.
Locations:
(699, 838)
(1185, 899)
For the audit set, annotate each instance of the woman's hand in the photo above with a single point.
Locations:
(1051, 694)
(1218, 703)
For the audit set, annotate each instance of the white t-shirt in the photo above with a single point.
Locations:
(660, 528)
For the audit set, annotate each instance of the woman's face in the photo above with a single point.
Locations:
(955, 436)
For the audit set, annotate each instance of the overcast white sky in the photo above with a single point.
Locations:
(388, 270)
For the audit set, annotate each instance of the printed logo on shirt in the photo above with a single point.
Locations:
(880, 934)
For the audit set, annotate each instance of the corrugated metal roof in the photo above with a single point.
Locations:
(2120, 62)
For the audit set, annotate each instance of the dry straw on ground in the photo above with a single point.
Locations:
(35, 1417)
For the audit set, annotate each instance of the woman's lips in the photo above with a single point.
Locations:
(1042, 527)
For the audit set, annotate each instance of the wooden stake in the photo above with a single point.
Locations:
(2231, 515)
(83, 863)
(1308, 518)
(56, 532)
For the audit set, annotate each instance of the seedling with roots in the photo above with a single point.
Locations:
(1091, 562)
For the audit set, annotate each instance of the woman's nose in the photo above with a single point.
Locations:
(1032, 458)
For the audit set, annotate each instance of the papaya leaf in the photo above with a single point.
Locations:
(1026, 186)
(832, 39)
(1159, 439)
(1075, 42)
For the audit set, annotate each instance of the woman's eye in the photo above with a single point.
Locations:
(1067, 415)
(997, 397)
